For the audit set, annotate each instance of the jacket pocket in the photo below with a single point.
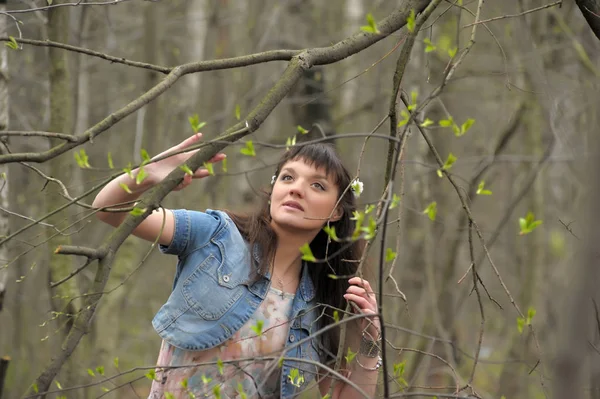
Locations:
(209, 292)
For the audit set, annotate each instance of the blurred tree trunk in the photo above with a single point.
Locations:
(153, 113)
(4, 253)
(197, 28)
(61, 120)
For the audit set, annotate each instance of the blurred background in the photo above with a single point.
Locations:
(530, 83)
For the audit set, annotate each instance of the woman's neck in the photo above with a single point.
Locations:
(288, 259)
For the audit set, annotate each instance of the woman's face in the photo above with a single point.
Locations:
(303, 198)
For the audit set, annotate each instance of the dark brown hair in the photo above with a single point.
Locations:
(342, 257)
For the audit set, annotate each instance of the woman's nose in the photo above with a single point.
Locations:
(296, 189)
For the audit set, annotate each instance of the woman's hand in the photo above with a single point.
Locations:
(361, 294)
(157, 171)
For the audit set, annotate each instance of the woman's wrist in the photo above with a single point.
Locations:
(370, 346)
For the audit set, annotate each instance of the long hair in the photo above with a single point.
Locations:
(334, 258)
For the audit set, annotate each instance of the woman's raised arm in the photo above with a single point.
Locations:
(114, 193)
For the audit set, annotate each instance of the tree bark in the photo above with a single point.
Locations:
(61, 120)
(4, 227)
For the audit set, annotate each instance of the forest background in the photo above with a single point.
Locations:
(483, 115)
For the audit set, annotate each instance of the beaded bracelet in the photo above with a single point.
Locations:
(377, 365)
(369, 347)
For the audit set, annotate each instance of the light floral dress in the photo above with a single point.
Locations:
(264, 334)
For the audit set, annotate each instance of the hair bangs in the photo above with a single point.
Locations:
(321, 156)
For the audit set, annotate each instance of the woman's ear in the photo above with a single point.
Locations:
(337, 214)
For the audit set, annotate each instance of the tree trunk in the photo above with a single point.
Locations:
(60, 121)
(4, 254)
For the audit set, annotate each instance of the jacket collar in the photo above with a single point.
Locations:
(306, 288)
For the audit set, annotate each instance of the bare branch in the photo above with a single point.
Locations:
(556, 3)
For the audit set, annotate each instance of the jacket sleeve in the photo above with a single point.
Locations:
(193, 229)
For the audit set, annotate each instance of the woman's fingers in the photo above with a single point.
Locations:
(201, 173)
(362, 302)
(190, 140)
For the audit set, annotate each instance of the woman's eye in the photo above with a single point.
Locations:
(319, 186)
(286, 177)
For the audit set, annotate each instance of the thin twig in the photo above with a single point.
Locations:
(556, 3)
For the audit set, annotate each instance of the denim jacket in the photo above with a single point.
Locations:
(214, 294)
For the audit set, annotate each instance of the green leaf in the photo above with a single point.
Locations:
(456, 130)
(141, 175)
(481, 189)
(390, 255)
(125, 188)
(350, 356)
(110, 160)
(82, 159)
(406, 118)
(224, 165)
(410, 21)
(35, 388)
(217, 391)
(238, 112)
(307, 254)
(358, 217)
(195, 123)
(169, 395)
(105, 389)
(528, 223)
(12, 43)
(137, 211)
(336, 316)
(49, 2)
(327, 396)
(427, 122)
(399, 369)
(91, 372)
(184, 383)
(371, 26)
(449, 161)
(206, 380)
(395, 201)
(330, 231)
(466, 126)
(127, 170)
(209, 167)
(58, 384)
(446, 122)
(100, 370)
(220, 366)
(145, 155)
(370, 229)
(240, 390)
(249, 149)
(369, 208)
(431, 210)
(116, 362)
(290, 142)
(530, 314)
(186, 169)
(258, 327)
(452, 52)
(295, 377)
(429, 47)
(301, 129)
(520, 324)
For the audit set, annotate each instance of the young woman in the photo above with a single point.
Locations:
(243, 297)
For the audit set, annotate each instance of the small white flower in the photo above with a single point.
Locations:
(273, 179)
(357, 187)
